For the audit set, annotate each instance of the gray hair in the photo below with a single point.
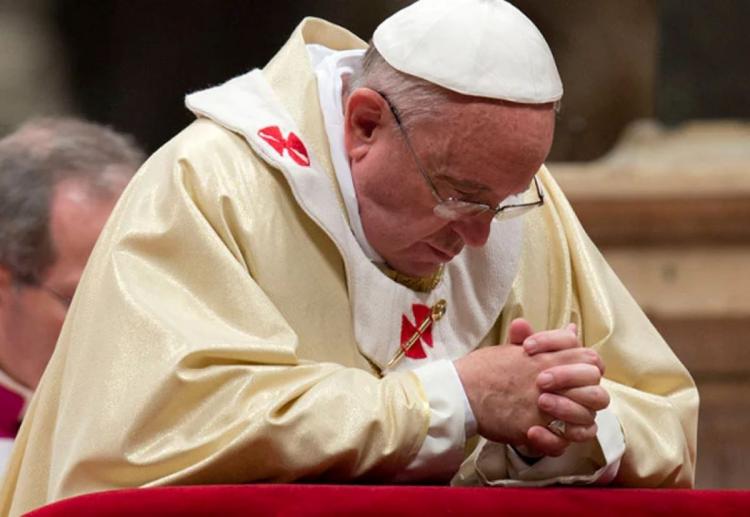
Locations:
(33, 160)
(415, 98)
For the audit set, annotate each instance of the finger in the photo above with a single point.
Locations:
(580, 433)
(563, 408)
(545, 441)
(595, 398)
(572, 327)
(519, 330)
(568, 376)
(551, 341)
(572, 356)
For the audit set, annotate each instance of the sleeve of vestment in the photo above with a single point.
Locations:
(563, 279)
(451, 422)
(176, 368)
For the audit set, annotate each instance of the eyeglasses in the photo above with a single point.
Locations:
(454, 209)
(64, 300)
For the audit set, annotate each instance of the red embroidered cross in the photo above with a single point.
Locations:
(408, 329)
(294, 146)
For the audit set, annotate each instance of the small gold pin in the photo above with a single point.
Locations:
(436, 312)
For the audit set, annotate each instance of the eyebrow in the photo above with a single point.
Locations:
(467, 184)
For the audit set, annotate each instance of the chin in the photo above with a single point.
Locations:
(417, 269)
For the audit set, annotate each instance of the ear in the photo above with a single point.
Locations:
(366, 113)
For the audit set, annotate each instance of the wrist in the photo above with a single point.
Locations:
(462, 367)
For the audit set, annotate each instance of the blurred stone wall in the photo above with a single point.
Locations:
(669, 209)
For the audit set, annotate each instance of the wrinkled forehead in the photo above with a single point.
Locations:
(490, 139)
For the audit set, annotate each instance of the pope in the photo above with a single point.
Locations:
(311, 280)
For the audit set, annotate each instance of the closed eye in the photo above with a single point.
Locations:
(465, 192)
(472, 196)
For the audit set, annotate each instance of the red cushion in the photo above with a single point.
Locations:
(231, 500)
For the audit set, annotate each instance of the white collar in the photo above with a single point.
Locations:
(330, 66)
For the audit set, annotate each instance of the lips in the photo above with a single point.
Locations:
(441, 255)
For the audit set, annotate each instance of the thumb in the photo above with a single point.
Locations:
(519, 330)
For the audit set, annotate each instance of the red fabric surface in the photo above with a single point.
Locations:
(314, 500)
(11, 404)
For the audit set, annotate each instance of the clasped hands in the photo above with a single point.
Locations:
(515, 390)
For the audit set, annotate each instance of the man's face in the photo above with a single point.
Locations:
(32, 315)
(475, 150)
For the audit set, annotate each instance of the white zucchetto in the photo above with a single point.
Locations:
(484, 48)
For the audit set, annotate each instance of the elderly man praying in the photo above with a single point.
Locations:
(311, 281)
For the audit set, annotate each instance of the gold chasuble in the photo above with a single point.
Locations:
(227, 331)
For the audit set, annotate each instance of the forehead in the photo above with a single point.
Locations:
(77, 216)
(492, 142)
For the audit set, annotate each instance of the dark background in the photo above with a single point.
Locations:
(131, 61)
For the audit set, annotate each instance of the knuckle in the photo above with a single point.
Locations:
(542, 338)
(602, 398)
(594, 372)
(576, 413)
(545, 361)
(592, 355)
(588, 357)
(554, 340)
(546, 402)
(558, 449)
(586, 417)
(582, 433)
(575, 434)
(569, 340)
(565, 376)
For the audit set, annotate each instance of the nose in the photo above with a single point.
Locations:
(473, 231)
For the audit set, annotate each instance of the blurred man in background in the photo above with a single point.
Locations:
(59, 180)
